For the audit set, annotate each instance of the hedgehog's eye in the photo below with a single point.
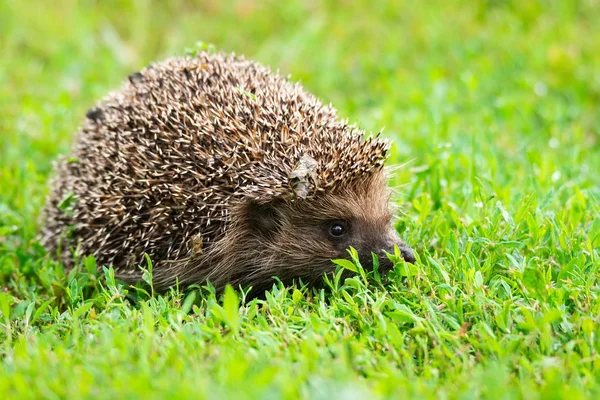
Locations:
(337, 229)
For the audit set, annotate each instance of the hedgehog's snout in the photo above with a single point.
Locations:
(394, 240)
(385, 264)
(407, 253)
(385, 245)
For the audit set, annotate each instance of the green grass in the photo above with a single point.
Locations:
(494, 105)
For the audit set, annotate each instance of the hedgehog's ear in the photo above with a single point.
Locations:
(264, 219)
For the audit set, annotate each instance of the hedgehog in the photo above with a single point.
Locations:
(219, 170)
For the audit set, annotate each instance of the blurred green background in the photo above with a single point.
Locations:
(492, 105)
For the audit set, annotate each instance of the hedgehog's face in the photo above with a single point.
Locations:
(302, 237)
(366, 236)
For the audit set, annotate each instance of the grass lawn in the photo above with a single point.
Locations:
(494, 108)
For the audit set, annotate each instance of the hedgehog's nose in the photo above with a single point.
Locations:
(385, 264)
(407, 254)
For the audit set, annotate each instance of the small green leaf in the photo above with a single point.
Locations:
(188, 302)
(231, 305)
(82, 309)
(247, 94)
(6, 301)
(296, 296)
(90, 264)
(346, 264)
(40, 310)
(190, 52)
(148, 317)
(67, 203)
